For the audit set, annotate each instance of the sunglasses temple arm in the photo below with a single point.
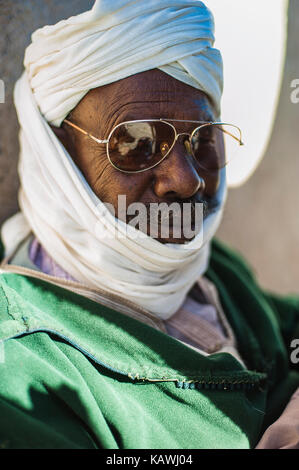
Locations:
(234, 137)
(99, 141)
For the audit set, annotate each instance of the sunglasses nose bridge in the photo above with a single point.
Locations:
(181, 134)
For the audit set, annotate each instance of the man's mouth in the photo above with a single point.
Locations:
(175, 226)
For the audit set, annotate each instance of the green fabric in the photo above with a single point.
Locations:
(75, 374)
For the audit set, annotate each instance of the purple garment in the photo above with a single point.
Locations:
(44, 262)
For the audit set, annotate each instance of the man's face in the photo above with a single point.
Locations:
(148, 95)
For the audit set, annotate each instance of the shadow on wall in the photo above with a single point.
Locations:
(261, 219)
(18, 19)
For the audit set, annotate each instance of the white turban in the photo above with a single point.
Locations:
(112, 41)
(119, 38)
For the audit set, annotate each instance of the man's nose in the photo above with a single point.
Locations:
(176, 175)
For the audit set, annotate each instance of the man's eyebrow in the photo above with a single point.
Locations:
(208, 118)
(206, 111)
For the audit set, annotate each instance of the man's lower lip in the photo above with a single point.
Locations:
(178, 241)
(183, 233)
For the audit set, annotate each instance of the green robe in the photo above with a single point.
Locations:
(76, 374)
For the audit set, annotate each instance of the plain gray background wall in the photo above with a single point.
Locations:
(261, 218)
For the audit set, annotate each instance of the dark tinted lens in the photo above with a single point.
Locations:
(139, 145)
(214, 146)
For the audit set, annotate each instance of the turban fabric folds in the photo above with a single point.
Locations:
(116, 39)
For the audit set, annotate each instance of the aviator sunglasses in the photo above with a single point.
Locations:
(137, 146)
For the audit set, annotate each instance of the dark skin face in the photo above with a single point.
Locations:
(151, 94)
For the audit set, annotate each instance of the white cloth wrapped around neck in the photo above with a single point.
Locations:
(116, 39)
(112, 41)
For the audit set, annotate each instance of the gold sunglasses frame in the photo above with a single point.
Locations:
(166, 121)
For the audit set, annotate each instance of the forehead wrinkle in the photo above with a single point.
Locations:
(136, 98)
(159, 95)
(149, 84)
(129, 111)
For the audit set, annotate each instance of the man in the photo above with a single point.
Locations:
(117, 338)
